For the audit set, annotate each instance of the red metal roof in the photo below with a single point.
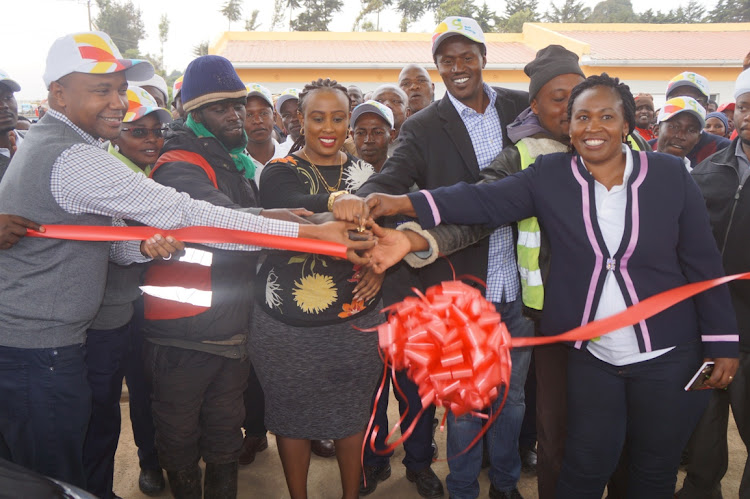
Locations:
(665, 45)
(358, 51)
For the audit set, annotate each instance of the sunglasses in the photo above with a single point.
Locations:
(142, 133)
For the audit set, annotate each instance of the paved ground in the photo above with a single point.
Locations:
(265, 479)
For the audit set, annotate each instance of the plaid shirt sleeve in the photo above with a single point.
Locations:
(125, 252)
(85, 179)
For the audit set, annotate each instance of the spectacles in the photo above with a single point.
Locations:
(142, 133)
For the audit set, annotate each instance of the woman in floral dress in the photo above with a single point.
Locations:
(318, 371)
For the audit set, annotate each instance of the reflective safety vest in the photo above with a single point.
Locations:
(181, 287)
(529, 241)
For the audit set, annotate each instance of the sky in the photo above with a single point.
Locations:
(28, 28)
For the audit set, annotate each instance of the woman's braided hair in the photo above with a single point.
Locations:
(319, 84)
(604, 80)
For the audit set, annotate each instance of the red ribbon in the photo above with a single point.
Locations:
(456, 349)
(202, 235)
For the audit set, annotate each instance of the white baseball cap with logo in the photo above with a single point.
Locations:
(91, 52)
(8, 82)
(287, 94)
(372, 106)
(258, 90)
(453, 26)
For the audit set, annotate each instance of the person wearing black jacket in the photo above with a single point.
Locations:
(721, 179)
(437, 148)
(198, 308)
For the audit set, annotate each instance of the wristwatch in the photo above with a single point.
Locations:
(332, 198)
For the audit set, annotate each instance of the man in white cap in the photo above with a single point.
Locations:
(261, 116)
(373, 132)
(689, 84)
(681, 121)
(157, 88)
(721, 178)
(286, 106)
(9, 138)
(448, 142)
(52, 288)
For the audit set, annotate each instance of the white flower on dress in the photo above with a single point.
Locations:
(357, 174)
(273, 300)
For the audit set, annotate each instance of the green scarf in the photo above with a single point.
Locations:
(117, 154)
(242, 161)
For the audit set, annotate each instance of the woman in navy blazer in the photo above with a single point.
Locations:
(623, 226)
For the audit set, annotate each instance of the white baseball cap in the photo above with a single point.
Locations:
(258, 90)
(288, 94)
(155, 81)
(372, 106)
(91, 52)
(452, 26)
(7, 81)
(677, 105)
(141, 103)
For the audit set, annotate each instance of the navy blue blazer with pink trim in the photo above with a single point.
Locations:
(667, 243)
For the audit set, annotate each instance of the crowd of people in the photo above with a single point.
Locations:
(221, 343)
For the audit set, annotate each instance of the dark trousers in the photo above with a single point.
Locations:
(197, 405)
(647, 402)
(707, 450)
(255, 406)
(527, 438)
(418, 447)
(44, 410)
(551, 414)
(106, 356)
(139, 394)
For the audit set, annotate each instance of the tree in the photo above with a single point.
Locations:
(368, 7)
(317, 15)
(163, 35)
(411, 11)
(200, 49)
(292, 4)
(487, 19)
(278, 14)
(514, 24)
(531, 7)
(463, 8)
(122, 22)
(252, 24)
(570, 12)
(614, 11)
(232, 10)
(730, 11)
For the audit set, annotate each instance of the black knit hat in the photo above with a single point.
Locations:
(210, 78)
(551, 61)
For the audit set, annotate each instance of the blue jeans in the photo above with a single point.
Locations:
(502, 437)
(644, 401)
(45, 404)
(418, 447)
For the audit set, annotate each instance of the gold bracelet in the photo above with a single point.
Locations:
(332, 198)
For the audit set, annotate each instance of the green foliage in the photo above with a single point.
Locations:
(463, 8)
(514, 24)
(730, 11)
(613, 11)
(570, 12)
(411, 11)
(370, 7)
(200, 49)
(232, 10)
(278, 14)
(317, 16)
(252, 24)
(528, 6)
(122, 22)
(487, 19)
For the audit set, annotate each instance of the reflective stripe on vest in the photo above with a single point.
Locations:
(529, 241)
(179, 288)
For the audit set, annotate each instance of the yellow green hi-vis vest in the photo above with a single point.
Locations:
(529, 241)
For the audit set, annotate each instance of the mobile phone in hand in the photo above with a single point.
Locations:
(698, 381)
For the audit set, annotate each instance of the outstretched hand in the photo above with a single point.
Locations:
(338, 232)
(382, 205)
(13, 228)
(392, 246)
